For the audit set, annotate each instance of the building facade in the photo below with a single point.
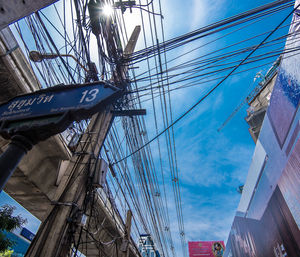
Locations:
(267, 222)
(147, 247)
(259, 101)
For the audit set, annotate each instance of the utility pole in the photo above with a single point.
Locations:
(50, 240)
(126, 239)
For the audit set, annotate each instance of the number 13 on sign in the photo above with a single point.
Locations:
(89, 95)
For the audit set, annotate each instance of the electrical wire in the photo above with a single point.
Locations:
(210, 91)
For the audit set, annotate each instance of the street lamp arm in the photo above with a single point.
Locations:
(37, 56)
(76, 60)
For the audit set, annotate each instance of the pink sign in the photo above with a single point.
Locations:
(206, 249)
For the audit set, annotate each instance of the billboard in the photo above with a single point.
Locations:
(27, 234)
(206, 248)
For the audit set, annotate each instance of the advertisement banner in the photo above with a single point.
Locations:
(206, 248)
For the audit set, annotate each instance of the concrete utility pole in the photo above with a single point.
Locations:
(50, 240)
(126, 238)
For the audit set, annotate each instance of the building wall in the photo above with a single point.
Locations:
(258, 105)
(262, 99)
(267, 222)
(147, 247)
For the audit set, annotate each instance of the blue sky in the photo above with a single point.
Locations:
(211, 164)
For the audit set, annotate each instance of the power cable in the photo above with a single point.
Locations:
(210, 91)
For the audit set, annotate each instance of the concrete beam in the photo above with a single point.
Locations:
(13, 10)
(33, 183)
(16, 74)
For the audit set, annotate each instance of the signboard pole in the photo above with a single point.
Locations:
(10, 159)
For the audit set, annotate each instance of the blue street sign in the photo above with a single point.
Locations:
(81, 100)
(27, 234)
(28, 119)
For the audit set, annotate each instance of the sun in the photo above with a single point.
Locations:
(107, 10)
